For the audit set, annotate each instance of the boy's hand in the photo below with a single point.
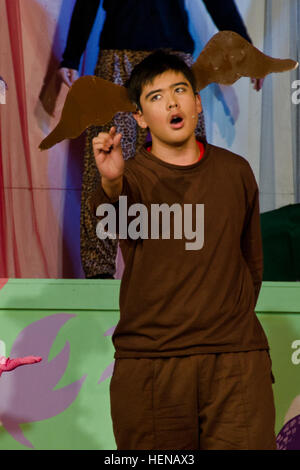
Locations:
(108, 154)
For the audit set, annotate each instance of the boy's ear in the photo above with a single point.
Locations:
(198, 103)
(139, 117)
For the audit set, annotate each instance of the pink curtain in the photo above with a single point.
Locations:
(40, 191)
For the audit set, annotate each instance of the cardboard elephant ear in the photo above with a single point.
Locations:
(90, 101)
(225, 59)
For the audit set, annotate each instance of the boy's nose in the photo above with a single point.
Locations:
(172, 105)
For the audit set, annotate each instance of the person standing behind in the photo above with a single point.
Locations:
(132, 30)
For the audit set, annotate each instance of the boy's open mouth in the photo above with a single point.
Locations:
(176, 121)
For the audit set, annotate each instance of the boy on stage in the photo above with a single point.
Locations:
(192, 367)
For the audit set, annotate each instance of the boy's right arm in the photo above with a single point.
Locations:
(112, 189)
(116, 180)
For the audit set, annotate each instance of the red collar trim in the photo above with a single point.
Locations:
(200, 145)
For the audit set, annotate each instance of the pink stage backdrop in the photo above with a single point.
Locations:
(40, 191)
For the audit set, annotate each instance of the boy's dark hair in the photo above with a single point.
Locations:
(153, 65)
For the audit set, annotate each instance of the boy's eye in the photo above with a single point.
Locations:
(155, 97)
(180, 89)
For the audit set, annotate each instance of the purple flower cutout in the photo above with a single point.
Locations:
(110, 368)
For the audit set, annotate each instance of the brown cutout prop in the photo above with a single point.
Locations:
(225, 59)
(90, 101)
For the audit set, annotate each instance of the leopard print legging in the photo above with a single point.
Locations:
(98, 257)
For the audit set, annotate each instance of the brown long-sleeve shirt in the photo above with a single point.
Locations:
(176, 301)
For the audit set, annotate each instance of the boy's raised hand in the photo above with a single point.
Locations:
(108, 154)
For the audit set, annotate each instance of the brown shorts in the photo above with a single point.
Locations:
(218, 401)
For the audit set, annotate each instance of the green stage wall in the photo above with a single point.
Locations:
(63, 401)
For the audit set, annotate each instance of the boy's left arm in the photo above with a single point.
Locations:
(251, 239)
